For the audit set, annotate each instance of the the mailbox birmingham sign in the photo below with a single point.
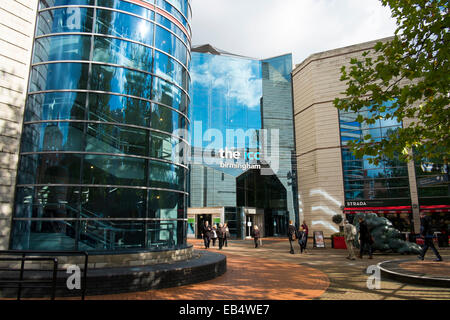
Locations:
(236, 148)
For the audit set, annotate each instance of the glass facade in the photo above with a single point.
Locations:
(385, 185)
(243, 106)
(104, 150)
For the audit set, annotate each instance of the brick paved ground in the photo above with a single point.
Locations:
(428, 268)
(272, 273)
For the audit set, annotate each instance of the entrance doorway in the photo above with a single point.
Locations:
(201, 221)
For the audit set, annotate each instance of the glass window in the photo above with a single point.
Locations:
(47, 76)
(43, 235)
(54, 3)
(172, 26)
(110, 170)
(47, 202)
(124, 26)
(63, 136)
(167, 176)
(124, 53)
(116, 139)
(55, 106)
(62, 47)
(166, 205)
(170, 95)
(174, 12)
(167, 120)
(168, 148)
(140, 10)
(49, 169)
(71, 19)
(120, 109)
(170, 44)
(169, 69)
(112, 202)
(120, 80)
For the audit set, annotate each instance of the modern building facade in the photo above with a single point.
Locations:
(103, 154)
(331, 180)
(241, 105)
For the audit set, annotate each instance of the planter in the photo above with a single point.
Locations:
(339, 243)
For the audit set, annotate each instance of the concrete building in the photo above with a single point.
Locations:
(330, 179)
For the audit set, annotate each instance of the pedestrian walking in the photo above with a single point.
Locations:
(365, 238)
(206, 234)
(306, 230)
(214, 235)
(227, 234)
(301, 238)
(291, 235)
(426, 232)
(221, 235)
(349, 234)
(256, 235)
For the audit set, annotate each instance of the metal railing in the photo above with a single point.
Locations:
(33, 284)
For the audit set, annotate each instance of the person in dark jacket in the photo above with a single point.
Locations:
(301, 238)
(221, 235)
(206, 234)
(256, 235)
(306, 230)
(365, 238)
(427, 233)
(291, 235)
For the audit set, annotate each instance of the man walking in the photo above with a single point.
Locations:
(350, 233)
(365, 239)
(427, 233)
(221, 235)
(291, 235)
(256, 235)
(206, 234)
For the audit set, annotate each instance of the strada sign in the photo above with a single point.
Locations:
(356, 204)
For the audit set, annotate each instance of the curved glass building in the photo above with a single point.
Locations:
(103, 157)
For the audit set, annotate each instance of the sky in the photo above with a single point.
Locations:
(267, 28)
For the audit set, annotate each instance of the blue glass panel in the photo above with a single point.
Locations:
(116, 139)
(120, 80)
(171, 26)
(120, 109)
(54, 3)
(112, 202)
(128, 7)
(170, 44)
(169, 94)
(72, 19)
(49, 77)
(171, 70)
(64, 136)
(110, 170)
(49, 169)
(62, 47)
(123, 53)
(167, 176)
(124, 26)
(167, 120)
(168, 148)
(55, 106)
(169, 8)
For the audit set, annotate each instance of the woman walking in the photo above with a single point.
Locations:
(301, 236)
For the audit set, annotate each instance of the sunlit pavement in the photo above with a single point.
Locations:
(271, 273)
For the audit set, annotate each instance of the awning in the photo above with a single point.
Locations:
(435, 209)
(379, 210)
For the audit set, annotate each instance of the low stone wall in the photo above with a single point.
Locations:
(96, 261)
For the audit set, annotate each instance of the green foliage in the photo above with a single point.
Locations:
(412, 72)
(337, 218)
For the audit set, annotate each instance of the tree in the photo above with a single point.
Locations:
(407, 77)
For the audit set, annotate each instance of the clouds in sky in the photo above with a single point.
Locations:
(267, 28)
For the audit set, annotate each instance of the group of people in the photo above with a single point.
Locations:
(366, 239)
(301, 235)
(214, 233)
